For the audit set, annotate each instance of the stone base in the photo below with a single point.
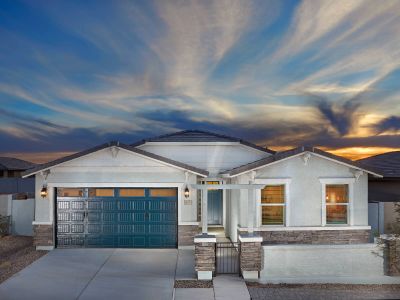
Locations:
(204, 254)
(186, 234)
(315, 237)
(250, 256)
(43, 236)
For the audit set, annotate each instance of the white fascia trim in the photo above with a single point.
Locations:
(266, 165)
(126, 150)
(347, 165)
(189, 144)
(299, 154)
(307, 228)
(42, 223)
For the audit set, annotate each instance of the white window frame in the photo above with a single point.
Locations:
(350, 205)
(274, 181)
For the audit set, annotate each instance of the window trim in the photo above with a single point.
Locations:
(350, 206)
(274, 181)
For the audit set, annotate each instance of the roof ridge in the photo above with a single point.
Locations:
(215, 134)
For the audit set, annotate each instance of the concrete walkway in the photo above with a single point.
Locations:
(226, 287)
(95, 274)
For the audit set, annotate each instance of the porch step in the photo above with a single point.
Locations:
(230, 287)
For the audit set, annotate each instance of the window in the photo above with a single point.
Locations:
(273, 205)
(162, 192)
(101, 192)
(131, 192)
(337, 202)
(69, 192)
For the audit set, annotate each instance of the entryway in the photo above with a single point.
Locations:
(214, 207)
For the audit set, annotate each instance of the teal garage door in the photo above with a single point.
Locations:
(117, 217)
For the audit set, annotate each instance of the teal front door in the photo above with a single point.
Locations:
(214, 207)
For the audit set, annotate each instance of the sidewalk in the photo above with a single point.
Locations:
(225, 288)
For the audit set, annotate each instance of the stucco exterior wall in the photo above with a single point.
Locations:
(101, 169)
(323, 264)
(213, 158)
(305, 190)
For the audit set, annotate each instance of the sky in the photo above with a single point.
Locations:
(75, 74)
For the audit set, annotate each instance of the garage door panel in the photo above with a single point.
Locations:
(77, 228)
(135, 220)
(77, 216)
(78, 205)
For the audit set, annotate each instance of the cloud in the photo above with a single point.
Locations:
(391, 123)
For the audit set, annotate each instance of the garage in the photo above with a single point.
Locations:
(116, 217)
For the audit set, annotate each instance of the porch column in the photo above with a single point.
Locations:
(204, 215)
(250, 211)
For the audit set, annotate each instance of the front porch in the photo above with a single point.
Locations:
(249, 243)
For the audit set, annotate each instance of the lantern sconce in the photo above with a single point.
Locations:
(43, 191)
(186, 192)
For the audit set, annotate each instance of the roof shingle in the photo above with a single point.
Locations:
(388, 164)
(200, 136)
(11, 163)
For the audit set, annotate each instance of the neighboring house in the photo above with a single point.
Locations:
(383, 193)
(152, 194)
(17, 195)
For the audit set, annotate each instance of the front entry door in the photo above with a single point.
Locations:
(214, 207)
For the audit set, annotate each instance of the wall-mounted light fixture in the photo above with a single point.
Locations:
(187, 194)
(43, 191)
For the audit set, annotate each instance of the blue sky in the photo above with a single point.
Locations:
(74, 74)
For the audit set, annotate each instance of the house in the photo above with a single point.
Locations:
(165, 192)
(16, 195)
(383, 193)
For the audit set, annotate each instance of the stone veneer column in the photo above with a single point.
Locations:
(43, 236)
(204, 256)
(391, 255)
(250, 255)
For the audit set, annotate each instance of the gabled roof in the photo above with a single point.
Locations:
(387, 164)
(11, 163)
(291, 153)
(200, 136)
(165, 160)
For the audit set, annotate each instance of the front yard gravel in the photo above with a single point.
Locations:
(16, 253)
(189, 284)
(322, 291)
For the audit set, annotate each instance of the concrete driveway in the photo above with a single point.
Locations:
(96, 274)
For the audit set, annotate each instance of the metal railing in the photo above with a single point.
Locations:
(227, 258)
(4, 225)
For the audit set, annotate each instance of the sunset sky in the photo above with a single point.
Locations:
(74, 74)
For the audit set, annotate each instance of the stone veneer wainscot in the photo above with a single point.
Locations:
(43, 235)
(331, 237)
